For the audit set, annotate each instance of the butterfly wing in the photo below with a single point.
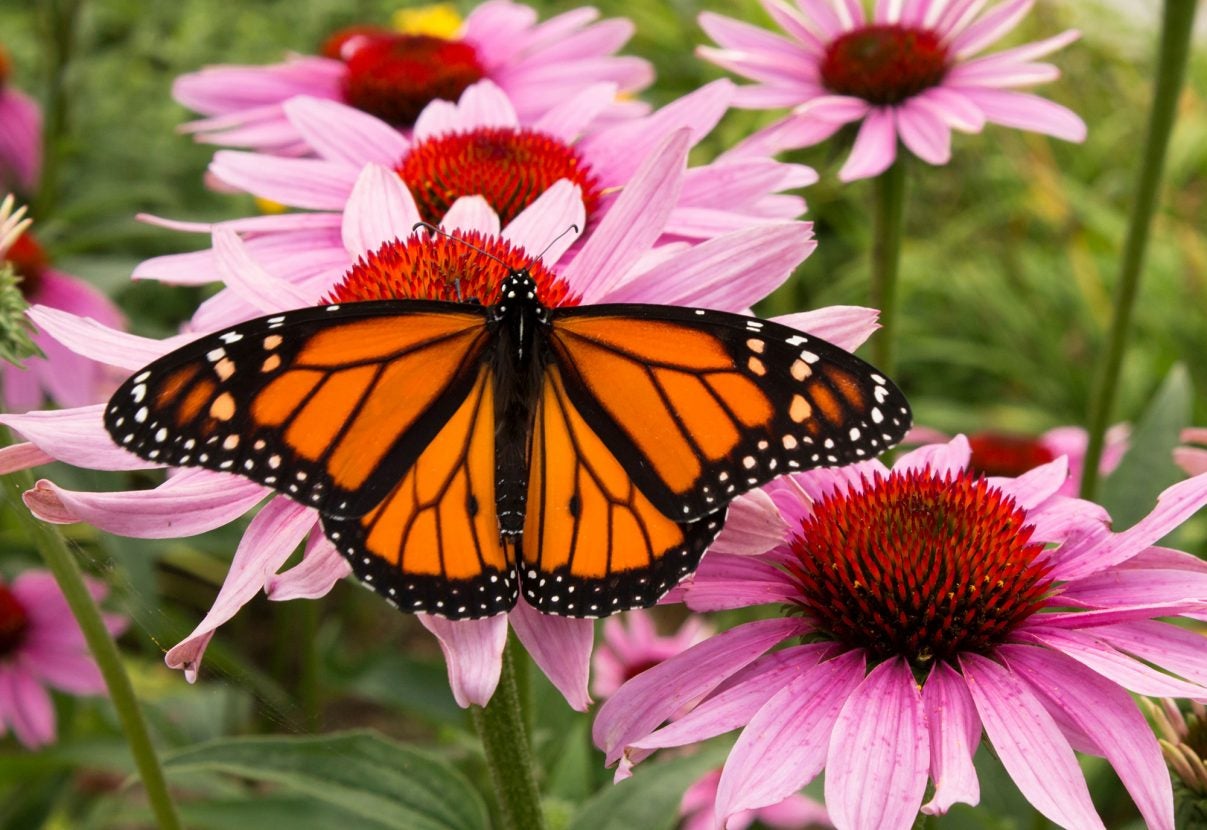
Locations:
(699, 406)
(326, 405)
(593, 543)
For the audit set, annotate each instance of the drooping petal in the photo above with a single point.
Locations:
(879, 755)
(75, 436)
(1029, 743)
(101, 343)
(726, 581)
(794, 728)
(846, 326)
(561, 646)
(26, 706)
(473, 650)
(321, 567)
(955, 732)
(302, 183)
(753, 525)
(1168, 646)
(252, 283)
(875, 147)
(1025, 111)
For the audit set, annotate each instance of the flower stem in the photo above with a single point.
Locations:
(888, 220)
(1171, 71)
(62, 564)
(59, 24)
(501, 728)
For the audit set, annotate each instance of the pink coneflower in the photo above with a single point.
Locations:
(62, 374)
(996, 453)
(395, 75)
(911, 72)
(20, 134)
(476, 147)
(615, 263)
(41, 647)
(631, 644)
(923, 607)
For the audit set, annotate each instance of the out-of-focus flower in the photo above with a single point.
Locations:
(41, 647)
(1183, 739)
(1192, 458)
(60, 373)
(934, 605)
(796, 812)
(631, 644)
(912, 72)
(20, 134)
(478, 146)
(616, 262)
(395, 74)
(1012, 454)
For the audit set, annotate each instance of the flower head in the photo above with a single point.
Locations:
(618, 262)
(395, 74)
(929, 606)
(42, 647)
(912, 72)
(20, 134)
(631, 644)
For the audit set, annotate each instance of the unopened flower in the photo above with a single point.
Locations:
(913, 71)
(42, 647)
(924, 607)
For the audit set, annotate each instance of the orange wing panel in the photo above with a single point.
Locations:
(378, 340)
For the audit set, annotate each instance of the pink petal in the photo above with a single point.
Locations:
(543, 225)
(952, 107)
(939, 459)
(21, 457)
(473, 650)
(875, 147)
(834, 109)
(752, 526)
(74, 436)
(380, 209)
(251, 224)
(471, 213)
(71, 670)
(655, 695)
(846, 326)
(101, 343)
(992, 26)
(219, 89)
(1167, 646)
(1132, 586)
(632, 224)
(26, 707)
(955, 732)
(186, 504)
(302, 183)
(1035, 486)
(20, 139)
(730, 272)
(313, 577)
(561, 646)
(793, 727)
(926, 135)
(879, 752)
(343, 134)
(725, 581)
(1029, 743)
(248, 280)
(270, 539)
(1025, 111)
(1100, 708)
(567, 120)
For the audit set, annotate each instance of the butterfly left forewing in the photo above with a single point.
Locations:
(700, 406)
(593, 544)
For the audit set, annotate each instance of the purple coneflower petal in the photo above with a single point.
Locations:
(1034, 487)
(22, 457)
(725, 581)
(1102, 709)
(994, 25)
(101, 343)
(321, 567)
(1169, 646)
(471, 213)
(752, 526)
(380, 208)
(561, 647)
(1029, 743)
(71, 436)
(1025, 111)
(304, 183)
(345, 134)
(926, 135)
(1134, 586)
(26, 706)
(20, 137)
(252, 283)
(846, 326)
(941, 459)
(955, 732)
(875, 146)
(544, 227)
(473, 650)
(569, 119)
(69, 669)
(793, 728)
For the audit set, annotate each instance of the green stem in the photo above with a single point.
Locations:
(309, 691)
(59, 24)
(62, 564)
(500, 726)
(888, 220)
(1171, 71)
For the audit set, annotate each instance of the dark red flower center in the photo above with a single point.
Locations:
(5, 66)
(30, 262)
(508, 166)
(14, 622)
(918, 566)
(469, 268)
(884, 64)
(394, 76)
(999, 454)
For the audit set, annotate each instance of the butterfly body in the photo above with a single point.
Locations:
(459, 455)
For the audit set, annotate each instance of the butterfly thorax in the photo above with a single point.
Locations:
(521, 324)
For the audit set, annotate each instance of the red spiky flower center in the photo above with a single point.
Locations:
(1000, 454)
(394, 76)
(919, 566)
(509, 167)
(14, 622)
(884, 64)
(29, 260)
(468, 268)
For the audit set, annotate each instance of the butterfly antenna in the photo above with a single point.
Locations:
(441, 232)
(553, 242)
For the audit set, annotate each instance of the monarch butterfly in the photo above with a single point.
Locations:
(459, 453)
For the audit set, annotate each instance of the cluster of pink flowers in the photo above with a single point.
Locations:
(919, 607)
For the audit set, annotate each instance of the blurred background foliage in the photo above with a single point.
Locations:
(1010, 257)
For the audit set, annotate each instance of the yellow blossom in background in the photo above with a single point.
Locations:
(437, 20)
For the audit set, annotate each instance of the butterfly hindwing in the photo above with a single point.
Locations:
(322, 404)
(593, 543)
(432, 544)
(699, 406)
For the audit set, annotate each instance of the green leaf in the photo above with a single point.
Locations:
(1147, 468)
(650, 799)
(362, 774)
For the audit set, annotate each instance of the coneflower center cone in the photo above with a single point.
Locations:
(14, 622)
(884, 64)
